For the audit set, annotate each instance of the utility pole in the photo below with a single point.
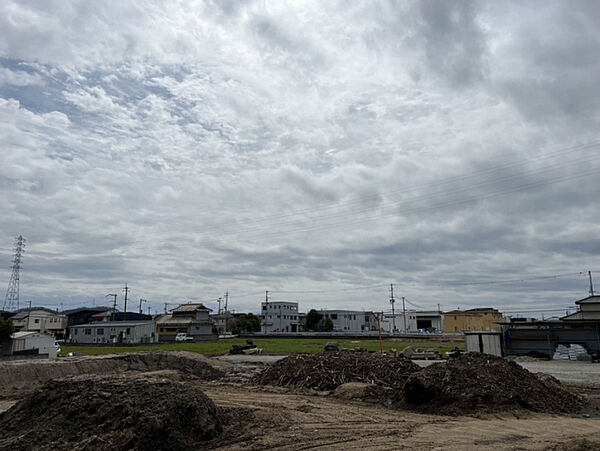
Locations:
(404, 312)
(142, 300)
(226, 299)
(166, 303)
(114, 310)
(393, 301)
(11, 300)
(591, 283)
(29, 316)
(126, 290)
(219, 302)
(266, 309)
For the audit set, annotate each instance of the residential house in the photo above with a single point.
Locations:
(40, 319)
(477, 319)
(220, 321)
(588, 309)
(109, 315)
(191, 319)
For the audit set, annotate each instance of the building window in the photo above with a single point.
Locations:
(88, 331)
(100, 331)
(75, 331)
(455, 317)
(128, 331)
(36, 321)
(334, 316)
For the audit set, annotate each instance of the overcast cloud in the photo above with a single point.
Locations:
(318, 150)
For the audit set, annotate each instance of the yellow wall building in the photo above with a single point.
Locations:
(481, 319)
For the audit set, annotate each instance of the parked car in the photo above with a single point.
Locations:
(182, 337)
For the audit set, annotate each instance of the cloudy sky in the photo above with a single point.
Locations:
(319, 150)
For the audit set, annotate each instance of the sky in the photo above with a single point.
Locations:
(318, 150)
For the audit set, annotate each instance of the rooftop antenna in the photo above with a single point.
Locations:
(11, 300)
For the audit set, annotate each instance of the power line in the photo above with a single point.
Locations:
(430, 196)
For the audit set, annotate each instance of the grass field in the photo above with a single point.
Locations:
(272, 345)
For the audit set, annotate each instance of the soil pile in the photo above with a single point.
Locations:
(112, 412)
(477, 383)
(23, 376)
(327, 371)
(187, 362)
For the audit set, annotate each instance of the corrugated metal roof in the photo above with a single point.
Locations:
(191, 308)
(171, 320)
(113, 324)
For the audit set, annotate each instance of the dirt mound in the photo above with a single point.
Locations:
(112, 412)
(477, 383)
(186, 362)
(327, 371)
(23, 376)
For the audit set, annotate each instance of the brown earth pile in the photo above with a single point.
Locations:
(20, 377)
(112, 412)
(478, 383)
(327, 371)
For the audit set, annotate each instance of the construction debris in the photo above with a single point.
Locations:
(475, 382)
(332, 347)
(242, 349)
(328, 370)
(112, 412)
(571, 352)
(421, 354)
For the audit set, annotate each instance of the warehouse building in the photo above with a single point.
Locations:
(544, 337)
(129, 332)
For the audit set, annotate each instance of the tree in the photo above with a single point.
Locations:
(6, 329)
(312, 320)
(327, 325)
(244, 324)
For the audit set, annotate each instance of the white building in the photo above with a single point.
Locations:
(279, 316)
(114, 332)
(40, 319)
(353, 321)
(431, 320)
(29, 341)
(399, 323)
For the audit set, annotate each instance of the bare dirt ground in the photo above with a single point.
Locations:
(297, 419)
(306, 420)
